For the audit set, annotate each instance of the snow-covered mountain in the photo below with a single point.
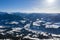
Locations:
(29, 26)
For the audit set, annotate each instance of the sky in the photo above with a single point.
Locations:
(30, 6)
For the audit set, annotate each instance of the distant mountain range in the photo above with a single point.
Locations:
(47, 16)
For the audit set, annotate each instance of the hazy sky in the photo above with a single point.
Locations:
(30, 6)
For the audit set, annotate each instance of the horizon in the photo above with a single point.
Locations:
(28, 13)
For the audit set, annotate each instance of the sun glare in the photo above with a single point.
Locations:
(50, 1)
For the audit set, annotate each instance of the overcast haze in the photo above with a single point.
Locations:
(30, 6)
